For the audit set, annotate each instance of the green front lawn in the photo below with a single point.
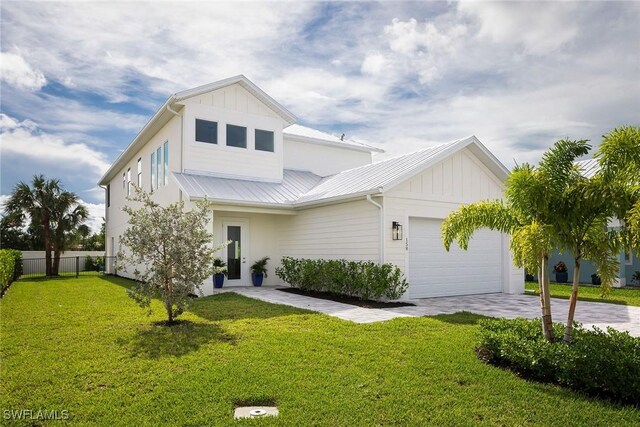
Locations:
(622, 296)
(83, 346)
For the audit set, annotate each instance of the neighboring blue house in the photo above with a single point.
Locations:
(629, 261)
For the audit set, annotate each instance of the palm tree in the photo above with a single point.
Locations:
(528, 215)
(50, 206)
(619, 158)
(68, 215)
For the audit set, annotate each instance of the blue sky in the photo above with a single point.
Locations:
(79, 79)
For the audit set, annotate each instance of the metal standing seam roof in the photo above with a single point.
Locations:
(588, 168)
(307, 133)
(372, 178)
(214, 188)
(301, 188)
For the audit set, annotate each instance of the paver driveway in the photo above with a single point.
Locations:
(620, 317)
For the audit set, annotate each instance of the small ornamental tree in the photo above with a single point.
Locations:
(170, 250)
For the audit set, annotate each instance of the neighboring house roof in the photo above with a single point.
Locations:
(163, 115)
(300, 189)
(588, 167)
(298, 132)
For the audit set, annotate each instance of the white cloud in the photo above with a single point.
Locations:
(539, 27)
(24, 139)
(16, 72)
(374, 64)
(96, 213)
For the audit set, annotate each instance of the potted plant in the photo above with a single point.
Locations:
(595, 279)
(219, 271)
(561, 272)
(528, 277)
(259, 271)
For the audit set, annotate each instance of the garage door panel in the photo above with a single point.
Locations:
(435, 272)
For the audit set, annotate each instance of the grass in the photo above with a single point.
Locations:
(621, 296)
(83, 346)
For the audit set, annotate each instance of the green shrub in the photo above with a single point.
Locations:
(362, 279)
(91, 264)
(10, 268)
(595, 362)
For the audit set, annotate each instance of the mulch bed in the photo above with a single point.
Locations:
(346, 299)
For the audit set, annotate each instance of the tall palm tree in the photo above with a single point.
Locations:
(49, 205)
(528, 215)
(35, 202)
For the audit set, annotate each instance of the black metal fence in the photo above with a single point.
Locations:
(70, 266)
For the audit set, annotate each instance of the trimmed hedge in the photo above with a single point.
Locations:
(10, 268)
(362, 279)
(600, 363)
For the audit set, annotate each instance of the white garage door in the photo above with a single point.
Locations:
(435, 272)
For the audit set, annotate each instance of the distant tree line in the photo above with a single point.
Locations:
(44, 216)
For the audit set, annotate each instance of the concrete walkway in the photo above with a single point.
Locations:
(620, 317)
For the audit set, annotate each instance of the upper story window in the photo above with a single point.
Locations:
(108, 195)
(129, 182)
(153, 171)
(206, 131)
(124, 181)
(139, 183)
(159, 167)
(236, 136)
(264, 140)
(166, 163)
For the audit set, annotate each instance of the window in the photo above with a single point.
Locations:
(128, 181)
(206, 131)
(264, 140)
(153, 170)
(236, 136)
(166, 163)
(124, 181)
(628, 257)
(139, 173)
(108, 195)
(158, 167)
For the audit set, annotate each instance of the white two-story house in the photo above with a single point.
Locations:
(279, 189)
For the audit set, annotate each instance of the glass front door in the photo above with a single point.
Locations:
(236, 252)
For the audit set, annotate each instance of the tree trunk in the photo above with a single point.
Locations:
(547, 321)
(56, 261)
(572, 301)
(47, 245)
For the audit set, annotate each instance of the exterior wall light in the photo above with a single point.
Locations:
(396, 231)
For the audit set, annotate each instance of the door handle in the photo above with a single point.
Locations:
(244, 260)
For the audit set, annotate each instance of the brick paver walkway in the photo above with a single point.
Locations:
(620, 317)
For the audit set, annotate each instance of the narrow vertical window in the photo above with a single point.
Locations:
(166, 163)
(159, 167)
(129, 182)
(139, 173)
(124, 181)
(153, 169)
(108, 195)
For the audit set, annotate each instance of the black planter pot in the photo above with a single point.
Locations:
(218, 280)
(562, 277)
(595, 280)
(257, 279)
(529, 277)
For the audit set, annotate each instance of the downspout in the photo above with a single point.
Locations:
(379, 206)
(175, 113)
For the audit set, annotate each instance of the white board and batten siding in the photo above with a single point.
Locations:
(346, 230)
(232, 105)
(322, 160)
(420, 204)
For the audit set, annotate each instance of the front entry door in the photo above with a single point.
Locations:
(237, 271)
